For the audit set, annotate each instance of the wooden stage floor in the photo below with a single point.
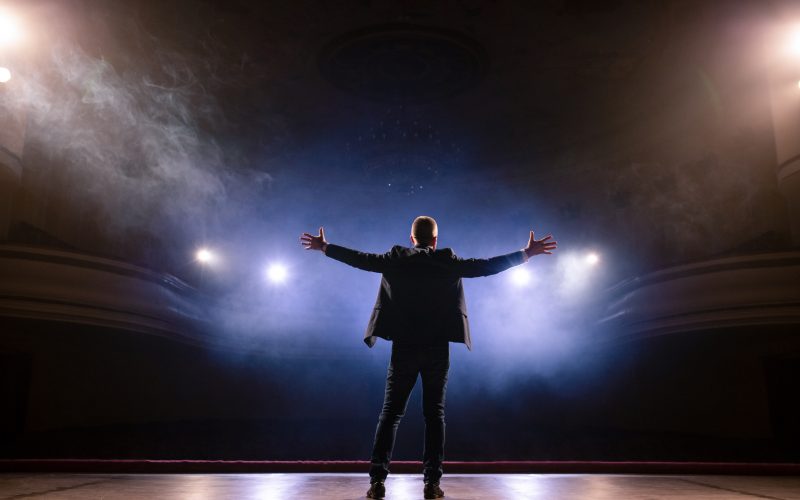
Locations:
(399, 487)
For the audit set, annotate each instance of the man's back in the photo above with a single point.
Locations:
(421, 298)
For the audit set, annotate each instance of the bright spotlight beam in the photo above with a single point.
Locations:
(277, 273)
(520, 276)
(592, 259)
(205, 256)
(5, 74)
(10, 28)
(794, 42)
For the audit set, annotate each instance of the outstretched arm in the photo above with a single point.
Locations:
(374, 262)
(473, 268)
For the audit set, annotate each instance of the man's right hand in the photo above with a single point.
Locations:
(536, 247)
(311, 242)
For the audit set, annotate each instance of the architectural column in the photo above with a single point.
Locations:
(784, 48)
(12, 142)
(786, 121)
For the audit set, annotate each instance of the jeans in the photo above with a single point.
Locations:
(409, 361)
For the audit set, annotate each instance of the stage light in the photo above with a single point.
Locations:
(5, 74)
(794, 41)
(277, 273)
(205, 256)
(520, 276)
(578, 271)
(10, 29)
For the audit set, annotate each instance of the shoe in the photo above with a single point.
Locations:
(432, 490)
(376, 490)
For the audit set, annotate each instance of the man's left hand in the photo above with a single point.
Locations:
(311, 242)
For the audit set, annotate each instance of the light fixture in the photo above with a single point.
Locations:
(10, 29)
(204, 256)
(277, 273)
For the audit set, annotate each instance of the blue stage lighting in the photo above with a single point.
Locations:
(520, 276)
(277, 273)
(205, 256)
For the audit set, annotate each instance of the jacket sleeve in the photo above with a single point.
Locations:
(473, 268)
(374, 262)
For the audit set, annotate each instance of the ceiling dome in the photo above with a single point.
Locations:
(403, 63)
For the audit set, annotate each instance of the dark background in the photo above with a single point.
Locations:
(136, 133)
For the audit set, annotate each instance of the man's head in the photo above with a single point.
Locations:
(424, 231)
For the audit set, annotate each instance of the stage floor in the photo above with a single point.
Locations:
(399, 487)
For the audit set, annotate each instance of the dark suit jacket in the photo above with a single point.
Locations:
(421, 299)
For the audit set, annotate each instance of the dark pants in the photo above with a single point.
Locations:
(433, 363)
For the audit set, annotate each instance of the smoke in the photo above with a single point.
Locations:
(540, 330)
(689, 209)
(138, 139)
(134, 142)
(135, 137)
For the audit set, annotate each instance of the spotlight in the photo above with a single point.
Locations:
(205, 256)
(10, 31)
(520, 276)
(5, 74)
(577, 272)
(794, 42)
(277, 273)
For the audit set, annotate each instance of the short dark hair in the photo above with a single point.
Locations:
(424, 229)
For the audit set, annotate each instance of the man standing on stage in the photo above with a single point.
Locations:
(421, 309)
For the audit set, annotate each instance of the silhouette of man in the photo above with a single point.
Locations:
(421, 309)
